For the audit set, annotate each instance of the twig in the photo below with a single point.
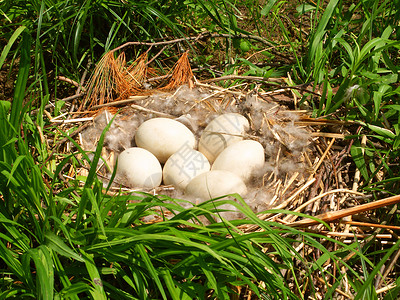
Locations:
(266, 49)
(304, 187)
(215, 87)
(72, 97)
(120, 102)
(147, 110)
(218, 92)
(81, 87)
(323, 156)
(72, 120)
(365, 224)
(158, 78)
(388, 268)
(255, 78)
(344, 234)
(386, 288)
(155, 56)
(326, 134)
(73, 82)
(335, 215)
(195, 38)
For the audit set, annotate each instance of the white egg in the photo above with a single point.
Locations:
(140, 168)
(222, 132)
(214, 184)
(242, 158)
(163, 137)
(182, 166)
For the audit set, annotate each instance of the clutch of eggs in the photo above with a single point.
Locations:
(169, 142)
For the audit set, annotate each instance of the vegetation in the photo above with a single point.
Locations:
(69, 240)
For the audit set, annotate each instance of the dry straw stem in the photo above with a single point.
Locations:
(366, 224)
(74, 83)
(129, 100)
(152, 111)
(335, 215)
(242, 77)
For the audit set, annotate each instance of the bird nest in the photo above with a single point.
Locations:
(308, 166)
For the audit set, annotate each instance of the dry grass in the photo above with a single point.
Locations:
(113, 79)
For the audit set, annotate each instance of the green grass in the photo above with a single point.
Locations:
(64, 240)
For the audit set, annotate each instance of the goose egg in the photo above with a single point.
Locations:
(182, 166)
(163, 137)
(214, 184)
(140, 168)
(242, 158)
(221, 132)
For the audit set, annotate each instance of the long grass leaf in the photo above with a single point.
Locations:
(44, 271)
(321, 29)
(97, 154)
(22, 79)
(150, 268)
(12, 262)
(56, 244)
(66, 283)
(97, 291)
(11, 41)
(80, 24)
(95, 208)
(72, 291)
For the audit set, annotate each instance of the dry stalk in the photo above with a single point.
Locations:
(335, 215)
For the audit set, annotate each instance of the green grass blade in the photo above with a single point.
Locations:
(80, 24)
(321, 29)
(11, 41)
(150, 268)
(22, 79)
(44, 271)
(12, 262)
(97, 290)
(68, 290)
(72, 291)
(56, 244)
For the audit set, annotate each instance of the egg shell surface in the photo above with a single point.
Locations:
(242, 158)
(182, 166)
(221, 132)
(214, 184)
(163, 137)
(140, 168)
